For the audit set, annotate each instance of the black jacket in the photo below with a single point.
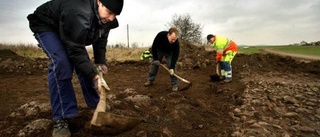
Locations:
(161, 43)
(78, 24)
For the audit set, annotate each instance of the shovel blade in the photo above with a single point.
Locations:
(186, 87)
(215, 78)
(111, 124)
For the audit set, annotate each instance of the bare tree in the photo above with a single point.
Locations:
(189, 31)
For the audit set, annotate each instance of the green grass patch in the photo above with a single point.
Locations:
(252, 49)
(306, 50)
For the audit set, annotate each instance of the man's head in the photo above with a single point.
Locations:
(109, 9)
(210, 38)
(173, 34)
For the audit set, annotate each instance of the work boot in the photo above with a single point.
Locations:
(61, 129)
(148, 83)
(175, 87)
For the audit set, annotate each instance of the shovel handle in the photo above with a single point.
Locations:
(182, 79)
(218, 69)
(103, 82)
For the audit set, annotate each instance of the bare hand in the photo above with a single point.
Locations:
(171, 71)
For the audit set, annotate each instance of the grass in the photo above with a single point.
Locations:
(307, 50)
(25, 50)
(113, 54)
(123, 54)
(250, 50)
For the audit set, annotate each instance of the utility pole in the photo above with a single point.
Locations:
(128, 34)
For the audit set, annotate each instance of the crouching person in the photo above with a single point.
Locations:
(226, 50)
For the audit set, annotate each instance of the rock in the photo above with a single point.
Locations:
(290, 100)
(302, 110)
(291, 114)
(36, 127)
(256, 125)
(140, 100)
(167, 132)
(142, 134)
(237, 134)
(237, 110)
(306, 129)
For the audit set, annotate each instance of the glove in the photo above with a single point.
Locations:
(171, 71)
(104, 68)
(156, 62)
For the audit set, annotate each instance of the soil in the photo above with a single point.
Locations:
(269, 95)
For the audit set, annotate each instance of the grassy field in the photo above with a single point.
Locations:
(307, 50)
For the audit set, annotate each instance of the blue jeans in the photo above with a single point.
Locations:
(62, 96)
(154, 68)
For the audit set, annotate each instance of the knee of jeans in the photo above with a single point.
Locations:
(63, 69)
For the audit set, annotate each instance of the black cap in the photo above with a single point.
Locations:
(114, 6)
(209, 37)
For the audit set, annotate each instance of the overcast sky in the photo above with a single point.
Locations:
(247, 22)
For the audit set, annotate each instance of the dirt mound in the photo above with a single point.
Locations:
(12, 63)
(270, 62)
(6, 53)
(270, 95)
(194, 57)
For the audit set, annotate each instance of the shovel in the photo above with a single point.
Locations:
(189, 84)
(104, 122)
(216, 77)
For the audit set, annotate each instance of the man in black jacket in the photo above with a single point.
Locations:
(165, 44)
(63, 28)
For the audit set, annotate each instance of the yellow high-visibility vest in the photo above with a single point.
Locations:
(220, 43)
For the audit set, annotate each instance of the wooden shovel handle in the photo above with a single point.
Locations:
(103, 82)
(182, 79)
(218, 69)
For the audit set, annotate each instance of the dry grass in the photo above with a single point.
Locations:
(25, 50)
(113, 54)
(123, 54)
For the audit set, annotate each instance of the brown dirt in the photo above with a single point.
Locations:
(202, 110)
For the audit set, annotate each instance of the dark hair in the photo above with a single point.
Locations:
(209, 37)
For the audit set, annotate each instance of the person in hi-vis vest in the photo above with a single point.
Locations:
(146, 55)
(226, 51)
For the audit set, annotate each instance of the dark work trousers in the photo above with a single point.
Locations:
(154, 68)
(62, 95)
